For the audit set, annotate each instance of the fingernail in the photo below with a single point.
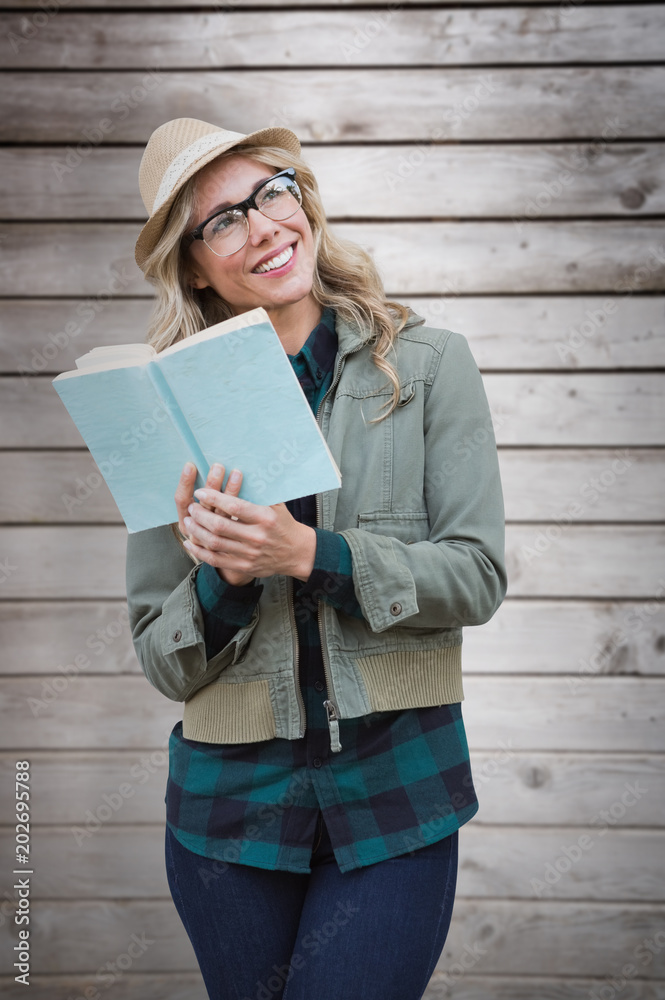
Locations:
(216, 469)
(234, 477)
(189, 468)
(200, 494)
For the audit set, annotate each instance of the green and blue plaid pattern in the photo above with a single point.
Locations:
(401, 780)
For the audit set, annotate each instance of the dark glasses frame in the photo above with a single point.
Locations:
(243, 206)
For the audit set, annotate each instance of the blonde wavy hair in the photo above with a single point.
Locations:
(345, 276)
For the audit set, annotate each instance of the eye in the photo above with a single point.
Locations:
(271, 192)
(222, 223)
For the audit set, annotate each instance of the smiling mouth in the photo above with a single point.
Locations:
(276, 262)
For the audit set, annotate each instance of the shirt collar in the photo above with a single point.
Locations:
(320, 349)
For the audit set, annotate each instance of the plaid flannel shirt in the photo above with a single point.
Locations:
(402, 779)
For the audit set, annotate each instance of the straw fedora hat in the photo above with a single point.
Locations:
(175, 151)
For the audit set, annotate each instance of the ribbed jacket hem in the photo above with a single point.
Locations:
(413, 679)
(230, 713)
(242, 712)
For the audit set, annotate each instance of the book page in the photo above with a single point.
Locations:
(111, 356)
(235, 323)
(246, 409)
(133, 436)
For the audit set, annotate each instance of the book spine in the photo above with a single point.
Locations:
(170, 404)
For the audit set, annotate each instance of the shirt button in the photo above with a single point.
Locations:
(396, 608)
(319, 373)
(177, 636)
(317, 762)
(318, 685)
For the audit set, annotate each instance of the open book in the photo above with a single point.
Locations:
(227, 394)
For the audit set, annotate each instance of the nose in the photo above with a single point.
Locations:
(260, 226)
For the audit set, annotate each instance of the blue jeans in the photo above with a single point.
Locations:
(373, 933)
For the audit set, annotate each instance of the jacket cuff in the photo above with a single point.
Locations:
(213, 592)
(224, 606)
(331, 578)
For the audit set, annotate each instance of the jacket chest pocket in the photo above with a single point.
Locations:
(381, 461)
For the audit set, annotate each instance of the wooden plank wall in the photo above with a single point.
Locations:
(506, 166)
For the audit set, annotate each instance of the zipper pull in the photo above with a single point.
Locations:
(333, 726)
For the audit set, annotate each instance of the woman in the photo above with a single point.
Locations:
(320, 774)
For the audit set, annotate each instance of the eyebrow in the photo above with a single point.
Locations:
(230, 204)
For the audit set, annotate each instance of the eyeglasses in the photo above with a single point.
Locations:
(226, 231)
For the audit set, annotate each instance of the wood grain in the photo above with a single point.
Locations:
(535, 713)
(623, 257)
(510, 333)
(517, 937)
(505, 165)
(393, 37)
(514, 787)
(397, 104)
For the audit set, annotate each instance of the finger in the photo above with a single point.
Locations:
(214, 480)
(215, 476)
(244, 510)
(216, 558)
(184, 493)
(219, 534)
(233, 486)
(205, 522)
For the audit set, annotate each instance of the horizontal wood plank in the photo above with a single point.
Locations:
(518, 181)
(75, 711)
(537, 938)
(553, 332)
(39, 487)
(540, 789)
(393, 37)
(190, 986)
(66, 638)
(599, 409)
(550, 789)
(97, 860)
(397, 105)
(581, 639)
(535, 713)
(441, 258)
(616, 411)
(583, 556)
(525, 332)
(547, 560)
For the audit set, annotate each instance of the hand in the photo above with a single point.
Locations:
(184, 497)
(243, 540)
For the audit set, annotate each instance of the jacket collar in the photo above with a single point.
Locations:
(350, 336)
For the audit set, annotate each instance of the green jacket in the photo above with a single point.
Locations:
(421, 508)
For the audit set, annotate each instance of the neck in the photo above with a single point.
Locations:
(294, 322)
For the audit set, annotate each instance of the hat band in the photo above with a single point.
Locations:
(184, 160)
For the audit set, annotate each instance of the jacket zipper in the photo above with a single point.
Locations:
(296, 655)
(330, 704)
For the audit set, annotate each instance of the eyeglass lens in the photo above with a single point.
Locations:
(278, 200)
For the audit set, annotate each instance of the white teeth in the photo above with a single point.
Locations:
(274, 262)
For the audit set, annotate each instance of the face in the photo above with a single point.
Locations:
(225, 183)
